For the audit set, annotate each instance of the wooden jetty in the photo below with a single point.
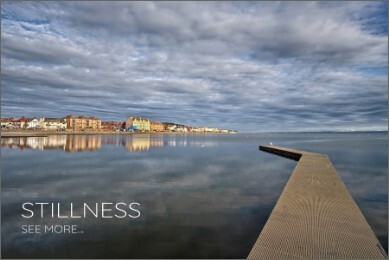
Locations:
(315, 216)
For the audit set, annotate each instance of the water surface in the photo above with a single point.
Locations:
(201, 196)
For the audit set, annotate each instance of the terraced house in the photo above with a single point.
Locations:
(137, 123)
(82, 122)
(93, 123)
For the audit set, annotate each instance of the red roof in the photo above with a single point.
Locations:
(6, 119)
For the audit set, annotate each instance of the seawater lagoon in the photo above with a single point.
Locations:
(200, 196)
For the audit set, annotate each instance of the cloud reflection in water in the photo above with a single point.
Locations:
(204, 196)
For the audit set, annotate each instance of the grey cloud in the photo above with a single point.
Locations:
(291, 65)
(219, 28)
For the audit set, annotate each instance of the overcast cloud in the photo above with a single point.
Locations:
(250, 66)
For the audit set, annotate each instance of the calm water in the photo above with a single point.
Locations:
(201, 196)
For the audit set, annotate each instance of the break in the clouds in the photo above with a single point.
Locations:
(250, 66)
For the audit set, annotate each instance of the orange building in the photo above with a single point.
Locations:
(82, 122)
(93, 123)
(157, 127)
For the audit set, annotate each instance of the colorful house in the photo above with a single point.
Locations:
(137, 123)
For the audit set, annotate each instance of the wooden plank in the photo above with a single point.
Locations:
(315, 216)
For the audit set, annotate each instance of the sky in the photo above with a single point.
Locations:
(248, 66)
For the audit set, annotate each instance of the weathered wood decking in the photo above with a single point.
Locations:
(315, 216)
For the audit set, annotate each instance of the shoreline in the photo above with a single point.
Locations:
(10, 134)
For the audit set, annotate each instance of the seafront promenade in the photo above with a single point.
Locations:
(315, 216)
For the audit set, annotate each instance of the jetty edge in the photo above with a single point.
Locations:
(315, 217)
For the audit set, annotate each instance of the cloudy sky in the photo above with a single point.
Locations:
(251, 66)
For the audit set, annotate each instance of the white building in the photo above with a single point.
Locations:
(52, 123)
(32, 123)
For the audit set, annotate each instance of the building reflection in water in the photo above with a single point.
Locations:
(138, 143)
(71, 143)
(82, 142)
(36, 143)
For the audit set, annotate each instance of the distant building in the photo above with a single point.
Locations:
(93, 123)
(82, 122)
(71, 121)
(169, 126)
(198, 129)
(32, 123)
(211, 130)
(137, 123)
(8, 123)
(13, 122)
(52, 123)
(22, 122)
(180, 128)
(111, 125)
(157, 126)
